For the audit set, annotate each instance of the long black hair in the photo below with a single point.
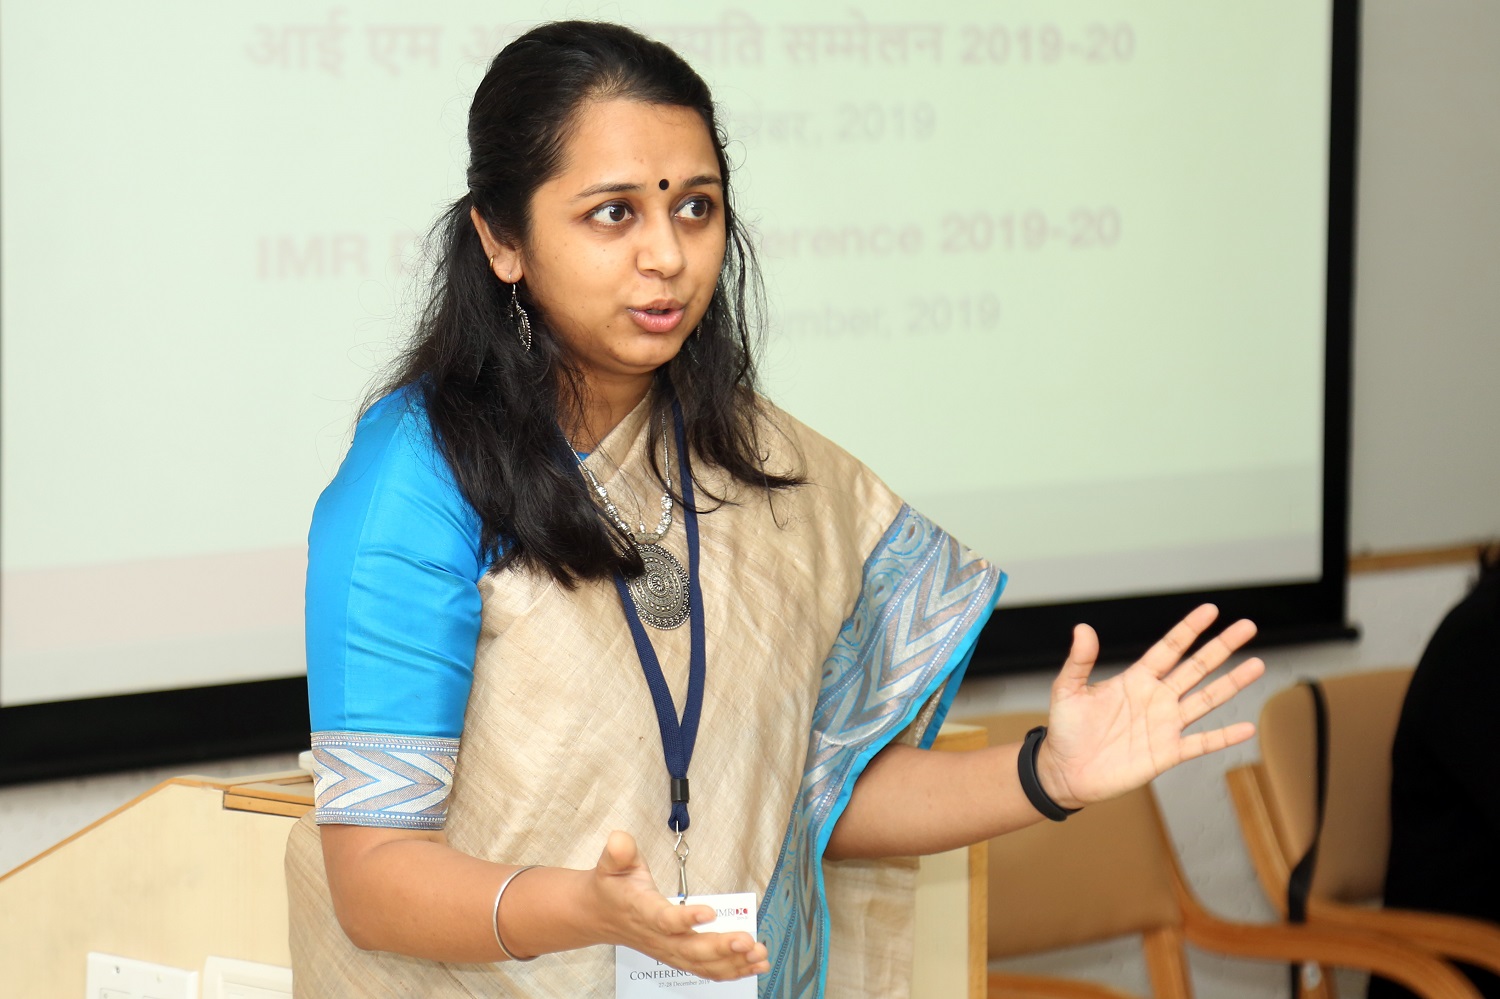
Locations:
(496, 407)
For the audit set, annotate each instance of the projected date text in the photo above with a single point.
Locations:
(1034, 230)
(919, 315)
(850, 122)
(871, 122)
(1045, 44)
(930, 315)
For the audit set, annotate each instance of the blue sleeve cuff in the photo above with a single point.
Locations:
(391, 781)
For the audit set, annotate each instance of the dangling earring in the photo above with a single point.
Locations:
(698, 332)
(522, 320)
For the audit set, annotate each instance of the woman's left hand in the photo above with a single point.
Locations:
(1108, 738)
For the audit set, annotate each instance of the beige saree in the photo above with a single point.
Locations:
(838, 620)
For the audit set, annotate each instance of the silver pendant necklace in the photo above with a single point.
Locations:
(661, 592)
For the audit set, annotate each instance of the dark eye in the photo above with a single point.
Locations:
(611, 214)
(695, 208)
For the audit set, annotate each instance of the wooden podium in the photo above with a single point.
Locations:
(193, 868)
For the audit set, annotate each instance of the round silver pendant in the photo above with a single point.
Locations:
(661, 592)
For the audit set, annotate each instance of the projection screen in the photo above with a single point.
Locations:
(1068, 277)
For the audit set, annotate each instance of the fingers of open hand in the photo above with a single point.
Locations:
(720, 956)
(1214, 654)
(1195, 706)
(1199, 743)
(1165, 654)
(717, 956)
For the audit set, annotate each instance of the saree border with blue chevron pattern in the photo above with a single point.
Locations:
(901, 654)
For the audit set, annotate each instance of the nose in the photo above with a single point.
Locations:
(659, 253)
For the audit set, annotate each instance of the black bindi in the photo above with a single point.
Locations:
(662, 184)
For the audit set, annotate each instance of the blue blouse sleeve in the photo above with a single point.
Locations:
(392, 620)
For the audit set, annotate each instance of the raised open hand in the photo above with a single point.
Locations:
(1108, 738)
(638, 916)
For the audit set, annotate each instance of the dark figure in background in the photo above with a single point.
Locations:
(1445, 779)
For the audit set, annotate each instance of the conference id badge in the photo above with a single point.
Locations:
(640, 977)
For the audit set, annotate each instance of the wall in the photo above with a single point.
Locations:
(1427, 342)
(35, 816)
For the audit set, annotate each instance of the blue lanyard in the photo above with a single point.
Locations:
(677, 738)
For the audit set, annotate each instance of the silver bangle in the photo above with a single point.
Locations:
(495, 916)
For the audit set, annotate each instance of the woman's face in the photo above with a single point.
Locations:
(627, 240)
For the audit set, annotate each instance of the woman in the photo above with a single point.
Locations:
(581, 385)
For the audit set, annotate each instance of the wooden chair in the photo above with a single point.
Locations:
(1111, 871)
(1276, 803)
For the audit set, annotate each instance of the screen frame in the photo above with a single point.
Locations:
(101, 734)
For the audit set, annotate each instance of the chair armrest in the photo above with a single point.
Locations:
(1458, 938)
(1259, 833)
(1006, 986)
(1417, 969)
(1469, 940)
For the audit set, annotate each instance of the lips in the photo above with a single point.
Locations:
(661, 316)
